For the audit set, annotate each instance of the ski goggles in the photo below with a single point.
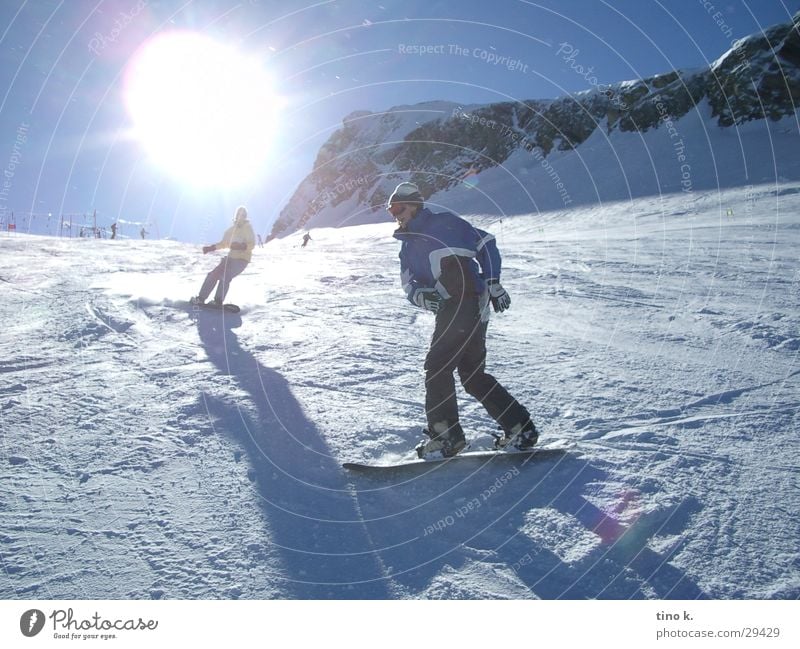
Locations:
(396, 209)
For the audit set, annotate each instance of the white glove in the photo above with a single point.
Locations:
(428, 299)
(497, 294)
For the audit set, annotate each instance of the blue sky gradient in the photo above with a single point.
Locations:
(62, 65)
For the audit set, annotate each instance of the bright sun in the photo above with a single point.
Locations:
(205, 112)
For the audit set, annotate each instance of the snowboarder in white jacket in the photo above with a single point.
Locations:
(451, 268)
(240, 239)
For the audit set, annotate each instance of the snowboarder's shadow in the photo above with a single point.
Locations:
(529, 527)
(209, 320)
(312, 523)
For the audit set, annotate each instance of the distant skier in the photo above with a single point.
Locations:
(260, 242)
(240, 239)
(113, 230)
(439, 273)
(142, 233)
(306, 239)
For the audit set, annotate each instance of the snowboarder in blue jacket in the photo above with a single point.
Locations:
(451, 268)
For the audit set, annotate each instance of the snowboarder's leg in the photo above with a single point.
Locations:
(454, 323)
(211, 279)
(501, 406)
(233, 267)
(441, 406)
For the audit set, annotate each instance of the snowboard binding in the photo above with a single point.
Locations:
(521, 438)
(443, 444)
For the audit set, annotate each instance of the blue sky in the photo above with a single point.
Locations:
(65, 130)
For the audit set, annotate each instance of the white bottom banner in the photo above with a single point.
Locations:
(396, 624)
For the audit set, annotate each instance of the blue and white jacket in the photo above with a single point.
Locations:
(445, 252)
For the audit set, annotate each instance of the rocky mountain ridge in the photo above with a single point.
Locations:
(441, 146)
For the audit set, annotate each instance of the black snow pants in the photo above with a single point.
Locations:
(459, 344)
(221, 277)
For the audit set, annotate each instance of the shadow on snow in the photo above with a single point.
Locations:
(311, 511)
(433, 517)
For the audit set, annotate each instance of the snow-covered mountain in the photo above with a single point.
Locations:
(677, 132)
(153, 451)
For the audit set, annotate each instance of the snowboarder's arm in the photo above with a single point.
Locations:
(424, 297)
(409, 282)
(417, 293)
(487, 255)
(226, 240)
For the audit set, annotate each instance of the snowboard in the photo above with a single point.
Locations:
(551, 451)
(230, 308)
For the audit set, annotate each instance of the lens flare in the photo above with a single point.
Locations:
(470, 178)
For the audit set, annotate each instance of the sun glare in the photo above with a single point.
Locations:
(204, 111)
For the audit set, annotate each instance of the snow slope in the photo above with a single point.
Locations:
(150, 451)
(692, 154)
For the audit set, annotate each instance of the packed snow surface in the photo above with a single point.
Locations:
(150, 450)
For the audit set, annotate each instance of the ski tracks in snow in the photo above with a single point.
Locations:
(156, 452)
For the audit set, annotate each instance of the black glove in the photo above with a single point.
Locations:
(497, 294)
(207, 249)
(428, 299)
